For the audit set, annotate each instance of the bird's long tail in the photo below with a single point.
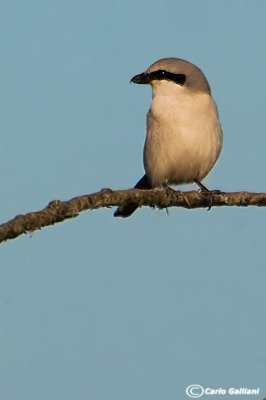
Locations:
(128, 209)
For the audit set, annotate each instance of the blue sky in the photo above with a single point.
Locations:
(98, 307)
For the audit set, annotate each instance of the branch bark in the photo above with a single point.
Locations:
(57, 211)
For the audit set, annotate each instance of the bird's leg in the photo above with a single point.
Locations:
(205, 189)
(207, 193)
(168, 191)
(201, 186)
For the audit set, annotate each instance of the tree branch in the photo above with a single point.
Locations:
(57, 211)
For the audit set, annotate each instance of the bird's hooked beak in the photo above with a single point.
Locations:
(143, 78)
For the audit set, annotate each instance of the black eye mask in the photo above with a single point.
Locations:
(159, 75)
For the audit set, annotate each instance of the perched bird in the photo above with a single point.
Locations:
(184, 135)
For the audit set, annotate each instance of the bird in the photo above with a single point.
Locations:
(183, 131)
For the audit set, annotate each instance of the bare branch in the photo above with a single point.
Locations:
(57, 211)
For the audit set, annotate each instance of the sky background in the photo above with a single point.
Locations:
(104, 308)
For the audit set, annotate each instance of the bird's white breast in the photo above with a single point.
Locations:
(184, 136)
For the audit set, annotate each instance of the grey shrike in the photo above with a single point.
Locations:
(184, 135)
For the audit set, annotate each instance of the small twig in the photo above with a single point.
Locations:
(57, 211)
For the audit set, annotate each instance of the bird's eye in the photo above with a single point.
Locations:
(162, 74)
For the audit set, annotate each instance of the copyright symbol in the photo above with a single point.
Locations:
(194, 391)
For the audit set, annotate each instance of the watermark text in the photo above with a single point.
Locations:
(196, 391)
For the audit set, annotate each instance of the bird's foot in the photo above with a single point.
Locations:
(207, 193)
(169, 190)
